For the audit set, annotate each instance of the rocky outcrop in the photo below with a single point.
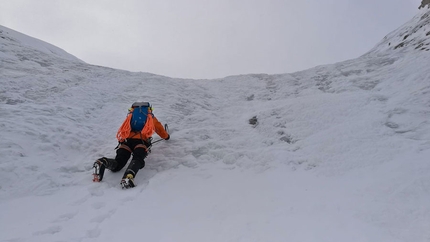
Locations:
(413, 35)
(424, 3)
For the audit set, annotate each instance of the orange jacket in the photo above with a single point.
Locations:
(159, 129)
(125, 132)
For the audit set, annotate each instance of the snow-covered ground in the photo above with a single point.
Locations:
(340, 152)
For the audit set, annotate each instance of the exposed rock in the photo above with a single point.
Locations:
(424, 3)
(253, 121)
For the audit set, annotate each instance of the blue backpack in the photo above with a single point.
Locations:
(139, 115)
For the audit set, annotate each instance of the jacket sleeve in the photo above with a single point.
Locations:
(159, 129)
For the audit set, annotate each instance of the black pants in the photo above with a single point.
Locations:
(135, 147)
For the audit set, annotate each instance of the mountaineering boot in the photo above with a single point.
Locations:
(127, 181)
(99, 168)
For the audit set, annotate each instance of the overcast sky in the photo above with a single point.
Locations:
(209, 38)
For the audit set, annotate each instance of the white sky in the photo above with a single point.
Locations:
(209, 39)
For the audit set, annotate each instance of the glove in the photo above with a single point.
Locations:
(168, 137)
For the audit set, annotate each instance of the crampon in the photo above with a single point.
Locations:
(127, 182)
(99, 170)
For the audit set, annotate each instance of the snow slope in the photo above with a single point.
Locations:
(340, 152)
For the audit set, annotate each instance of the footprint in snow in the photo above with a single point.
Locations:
(101, 218)
(80, 201)
(65, 217)
(98, 205)
(93, 233)
(50, 230)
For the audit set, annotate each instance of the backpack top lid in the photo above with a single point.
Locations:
(140, 104)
